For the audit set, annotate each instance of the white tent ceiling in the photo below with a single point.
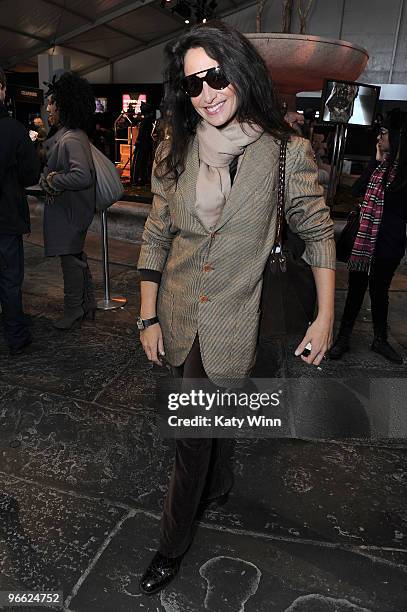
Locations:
(94, 33)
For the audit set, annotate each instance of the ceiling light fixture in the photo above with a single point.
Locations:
(203, 10)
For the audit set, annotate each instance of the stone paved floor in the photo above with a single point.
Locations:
(311, 526)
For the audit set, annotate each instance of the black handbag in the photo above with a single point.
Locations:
(289, 295)
(347, 238)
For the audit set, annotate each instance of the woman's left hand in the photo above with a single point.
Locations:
(319, 334)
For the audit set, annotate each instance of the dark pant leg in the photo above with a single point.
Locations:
(199, 467)
(358, 282)
(220, 476)
(192, 458)
(11, 279)
(381, 275)
(270, 358)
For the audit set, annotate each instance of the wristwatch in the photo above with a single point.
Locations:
(144, 323)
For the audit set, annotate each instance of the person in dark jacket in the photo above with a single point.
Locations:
(69, 183)
(19, 168)
(144, 147)
(381, 240)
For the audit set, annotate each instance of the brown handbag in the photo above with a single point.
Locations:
(288, 301)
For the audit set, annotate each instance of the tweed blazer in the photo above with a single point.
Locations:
(211, 280)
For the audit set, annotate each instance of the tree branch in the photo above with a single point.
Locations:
(304, 15)
(287, 16)
(259, 14)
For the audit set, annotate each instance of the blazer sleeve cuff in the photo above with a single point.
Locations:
(153, 276)
(320, 254)
(152, 258)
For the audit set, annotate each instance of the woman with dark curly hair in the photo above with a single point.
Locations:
(69, 183)
(206, 243)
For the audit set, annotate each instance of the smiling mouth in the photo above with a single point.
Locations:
(212, 110)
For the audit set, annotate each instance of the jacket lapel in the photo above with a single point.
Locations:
(258, 167)
(188, 179)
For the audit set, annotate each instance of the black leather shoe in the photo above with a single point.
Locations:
(159, 573)
(339, 348)
(382, 346)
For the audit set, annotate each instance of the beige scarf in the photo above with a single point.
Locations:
(217, 148)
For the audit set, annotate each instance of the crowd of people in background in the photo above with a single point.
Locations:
(102, 135)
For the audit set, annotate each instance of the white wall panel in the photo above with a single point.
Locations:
(99, 76)
(145, 67)
(245, 20)
(372, 24)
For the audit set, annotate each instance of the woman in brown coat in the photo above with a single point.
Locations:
(206, 243)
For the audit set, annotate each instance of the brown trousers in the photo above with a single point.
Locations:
(201, 471)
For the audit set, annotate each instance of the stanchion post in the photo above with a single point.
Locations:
(108, 303)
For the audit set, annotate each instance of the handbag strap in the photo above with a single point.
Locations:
(276, 254)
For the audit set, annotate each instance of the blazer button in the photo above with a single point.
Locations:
(207, 268)
(203, 299)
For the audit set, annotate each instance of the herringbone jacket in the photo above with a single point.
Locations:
(212, 280)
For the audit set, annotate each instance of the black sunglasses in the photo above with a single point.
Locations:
(193, 84)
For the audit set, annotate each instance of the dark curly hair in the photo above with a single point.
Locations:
(242, 65)
(75, 101)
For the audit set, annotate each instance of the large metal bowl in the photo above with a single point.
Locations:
(301, 62)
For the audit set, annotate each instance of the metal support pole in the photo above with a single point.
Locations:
(330, 190)
(342, 19)
(108, 303)
(396, 41)
(341, 154)
(336, 162)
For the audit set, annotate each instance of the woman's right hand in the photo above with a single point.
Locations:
(46, 186)
(153, 344)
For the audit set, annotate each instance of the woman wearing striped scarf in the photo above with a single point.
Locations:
(380, 242)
